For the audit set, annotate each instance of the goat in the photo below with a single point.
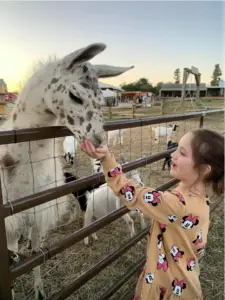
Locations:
(80, 195)
(164, 131)
(167, 160)
(96, 164)
(69, 149)
(114, 135)
(96, 202)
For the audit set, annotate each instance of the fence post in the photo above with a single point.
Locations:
(133, 111)
(162, 106)
(5, 281)
(201, 121)
(109, 112)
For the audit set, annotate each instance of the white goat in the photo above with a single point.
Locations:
(114, 135)
(102, 201)
(164, 131)
(96, 164)
(69, 149)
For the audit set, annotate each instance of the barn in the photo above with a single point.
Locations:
(216, 91)
(175, 90)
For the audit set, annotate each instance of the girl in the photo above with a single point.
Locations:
(180, 224)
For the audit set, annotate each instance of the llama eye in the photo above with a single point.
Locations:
(75, 98)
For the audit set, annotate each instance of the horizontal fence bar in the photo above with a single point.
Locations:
(123, 279)
(33, 134)
(129, 295)
(138, 122)
(97, 268)
(130, 291)
(16, 206)
(73, 238)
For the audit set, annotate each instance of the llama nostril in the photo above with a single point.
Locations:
(98, 140)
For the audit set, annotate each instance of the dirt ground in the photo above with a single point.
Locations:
(68, 265)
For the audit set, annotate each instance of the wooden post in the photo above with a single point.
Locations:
(5, 282)
(110, 112)
(133, 111)
(162, 106)
(201, 122)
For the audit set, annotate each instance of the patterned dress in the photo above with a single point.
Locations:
(176, 241)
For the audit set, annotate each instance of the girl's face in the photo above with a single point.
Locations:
(182, 166)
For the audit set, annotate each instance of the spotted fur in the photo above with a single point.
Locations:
(63, 92)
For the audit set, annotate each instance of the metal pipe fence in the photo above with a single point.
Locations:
(9, 273)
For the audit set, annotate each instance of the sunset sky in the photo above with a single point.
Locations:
(155, 37)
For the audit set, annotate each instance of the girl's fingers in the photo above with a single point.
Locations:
(90, 146)
(82, 147)
(90, 150)
(101, 150)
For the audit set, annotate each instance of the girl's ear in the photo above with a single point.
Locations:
(205, 170)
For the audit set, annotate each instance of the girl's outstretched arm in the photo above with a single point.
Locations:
(164, 207)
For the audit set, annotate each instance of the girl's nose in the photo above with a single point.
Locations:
(173, 155)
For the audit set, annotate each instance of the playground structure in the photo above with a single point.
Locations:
(195, 100)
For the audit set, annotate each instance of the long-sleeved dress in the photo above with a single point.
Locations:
(177, 237)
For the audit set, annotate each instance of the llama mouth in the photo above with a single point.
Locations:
(97, 141)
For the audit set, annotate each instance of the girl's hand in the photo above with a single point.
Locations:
(88, 148)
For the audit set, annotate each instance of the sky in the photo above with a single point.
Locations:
(155, 37)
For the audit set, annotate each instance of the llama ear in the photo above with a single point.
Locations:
(104, 71)
(82, 55)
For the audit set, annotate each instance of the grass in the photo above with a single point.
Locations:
(212, 264)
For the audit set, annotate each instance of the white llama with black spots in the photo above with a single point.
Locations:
(64, 92)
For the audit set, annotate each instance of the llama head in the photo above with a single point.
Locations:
(70, 92)
(135, 175)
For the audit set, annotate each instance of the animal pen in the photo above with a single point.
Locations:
(15, 265)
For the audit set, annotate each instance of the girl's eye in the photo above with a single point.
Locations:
(182, 153)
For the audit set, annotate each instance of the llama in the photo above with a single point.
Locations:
(164, 131)
(98, 201)
(64, 92)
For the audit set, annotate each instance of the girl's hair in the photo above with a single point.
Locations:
(208, 149)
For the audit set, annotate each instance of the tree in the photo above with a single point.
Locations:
(177, 76)
(157, 88)
(142, 85)
(216, 75)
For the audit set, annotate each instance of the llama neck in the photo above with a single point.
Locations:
(30, 118)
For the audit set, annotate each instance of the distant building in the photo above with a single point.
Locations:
(134, 95)
(175, 90)
(216, 91)
(3, 89)
(104, 86)
(10, 97)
